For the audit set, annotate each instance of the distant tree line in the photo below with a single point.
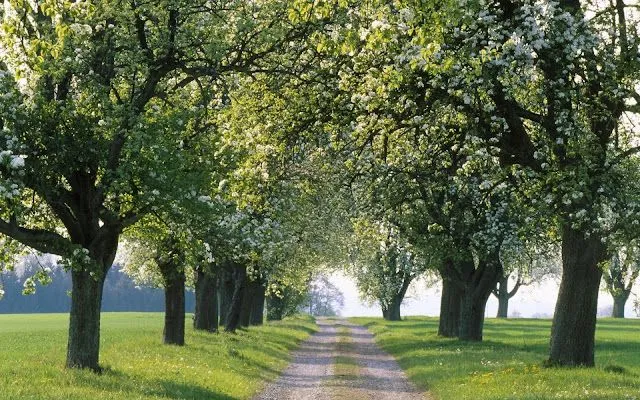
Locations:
(120, 294)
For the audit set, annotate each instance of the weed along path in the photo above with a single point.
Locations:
(341, 361)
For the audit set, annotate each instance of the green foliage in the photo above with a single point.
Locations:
(622, 270)
(137, 366)
(508, 364)
(384, 263)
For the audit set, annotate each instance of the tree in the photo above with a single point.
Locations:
(619, 276)
(548, 89)
(207, 281)
(384, 266)
(324, 298)
(159, 256)
(92, 118)
(530, 261)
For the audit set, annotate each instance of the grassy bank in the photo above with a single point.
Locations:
(137, 365)
(508, 364)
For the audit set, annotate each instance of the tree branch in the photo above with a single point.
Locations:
(38, 239)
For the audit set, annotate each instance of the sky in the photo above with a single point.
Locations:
(533, 301)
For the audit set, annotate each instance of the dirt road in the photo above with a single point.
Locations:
(364, 370)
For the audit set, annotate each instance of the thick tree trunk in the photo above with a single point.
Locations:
(174, 310)
(247, 303)
(83, 345)
(479, 283)
(393, 309)
(503, 297)
(450, 301)
(257, 305)
(275, 308)
(472, 308)
(206, 312)
(618, 305)
(170, 259)
(393, 312)
(574, 321)
(227, 286)
(233, 316)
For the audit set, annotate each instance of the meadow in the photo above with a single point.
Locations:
(136, 364)
(508, 364)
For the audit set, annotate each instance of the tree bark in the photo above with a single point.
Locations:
(479, 283)
(170, 259)
(83, 346)
(233, 316)
(257, 310)
(227, 286)
(502, 293)
(174, 314)
(206, 312)
(574, 321)
(618, 305)
(393, 312)
(450, 302)
(247, 303)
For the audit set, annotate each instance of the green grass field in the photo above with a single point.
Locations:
(137, 365)
(508, 364)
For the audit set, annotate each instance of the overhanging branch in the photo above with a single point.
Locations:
(38, 239)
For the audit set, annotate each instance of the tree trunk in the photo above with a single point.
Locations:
(479, 283)
(170, 260)
(574, 321)
(174, 309)
(227, 286)
(206, 312)
(472, 308)
(233, 316)
(393, 312)
(450, 301)
(275, 308)
(257, 309)
(618, 305)
(503, 297)
(83, 345)
(247, 303)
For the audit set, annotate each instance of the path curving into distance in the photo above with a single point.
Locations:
(364, 370)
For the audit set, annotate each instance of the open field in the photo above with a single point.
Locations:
(137, 365)
(508, 364)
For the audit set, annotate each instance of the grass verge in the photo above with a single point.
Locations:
(137, 365)
(508, 363)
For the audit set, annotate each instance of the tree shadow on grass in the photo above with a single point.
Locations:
(128, 386)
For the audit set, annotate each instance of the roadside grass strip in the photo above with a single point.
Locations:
(136, 364)
(508, 364)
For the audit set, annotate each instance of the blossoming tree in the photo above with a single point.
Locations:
(92, 116)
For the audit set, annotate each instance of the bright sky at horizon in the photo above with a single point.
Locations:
(530, 301)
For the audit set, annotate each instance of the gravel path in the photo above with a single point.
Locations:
(310, 374)
(380, 375)
(312, 364)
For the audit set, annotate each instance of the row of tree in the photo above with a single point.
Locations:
(475, 130)
(250, 143)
